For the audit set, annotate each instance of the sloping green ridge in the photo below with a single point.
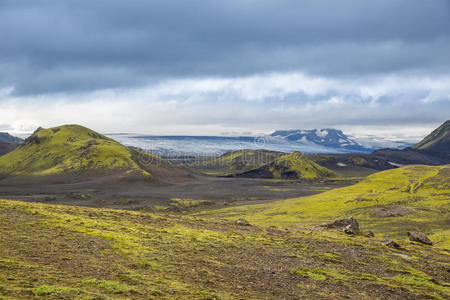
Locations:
(438, 136)
(246, 159)
(424, 189)
(65, 149)
(236, 162)
(298, 163)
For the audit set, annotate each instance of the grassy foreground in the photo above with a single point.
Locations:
(424, 191)
(62, 252)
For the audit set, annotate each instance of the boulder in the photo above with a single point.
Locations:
(391, 244)
(370, 234)
(420, 237)
(348, 225)
(242, 222)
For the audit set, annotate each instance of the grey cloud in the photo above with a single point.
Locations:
(66, 46)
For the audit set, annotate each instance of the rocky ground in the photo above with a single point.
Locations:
(62, 252)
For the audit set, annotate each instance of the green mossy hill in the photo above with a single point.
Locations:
(438, 141)
(63, 252)
(248, 159)
(68, 149)
(237, 161)
(243, 160)
(291, 166)
(423, 192)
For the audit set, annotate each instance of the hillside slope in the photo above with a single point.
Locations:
(434, 149)
(61, 252)
(6, 148)
(438, 141)
(77, 153)
(235, 162)
(411, 198)
(290, 166)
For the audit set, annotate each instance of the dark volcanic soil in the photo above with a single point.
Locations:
(222, 191)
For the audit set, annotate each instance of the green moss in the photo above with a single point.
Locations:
(424, 189)
(315, 274)
(68, 149)
(112, 287)
(303, 167)
(104, 253)
(51, 290)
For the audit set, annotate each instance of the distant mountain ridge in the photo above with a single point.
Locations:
(434, 149)
(327, 137)
(7, 138)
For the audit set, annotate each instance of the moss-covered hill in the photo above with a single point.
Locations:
(75, 153)
(60, 252)
(235, 162)
(66, 149)
(438, 141)
(391, 203)
(290, 166)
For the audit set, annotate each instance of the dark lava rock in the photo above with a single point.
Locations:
(348, 225)
(391, 244)
(242, 222)
(420, 237)
(370, 234)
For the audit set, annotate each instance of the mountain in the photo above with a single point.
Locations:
(7, 138)
(391, 203)
(74, 153)
(437, 142)
(434, 149)
(7, 147)
(354, 165)
(290, 166)
(236, 162)
(330, 138)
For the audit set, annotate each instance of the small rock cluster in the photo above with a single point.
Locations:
(242, 222)
(420, 237)
(348, 225)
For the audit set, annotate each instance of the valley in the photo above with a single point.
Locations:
(225, 150)
(248, 224)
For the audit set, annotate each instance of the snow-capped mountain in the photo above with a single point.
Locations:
(307, 141)
(330, 138)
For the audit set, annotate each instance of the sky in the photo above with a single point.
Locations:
(240, 67)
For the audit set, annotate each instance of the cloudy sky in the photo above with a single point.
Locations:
(202, 67)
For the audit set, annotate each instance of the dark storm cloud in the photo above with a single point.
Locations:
(66, 46)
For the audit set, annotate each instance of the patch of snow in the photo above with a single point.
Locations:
(322, 132)
(395, 164)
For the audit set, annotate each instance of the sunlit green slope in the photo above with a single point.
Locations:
(300, 166)
(291, 166)
(66, 149)
(236, 161)
(438, 141)
(63, 252)
(422, 190)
